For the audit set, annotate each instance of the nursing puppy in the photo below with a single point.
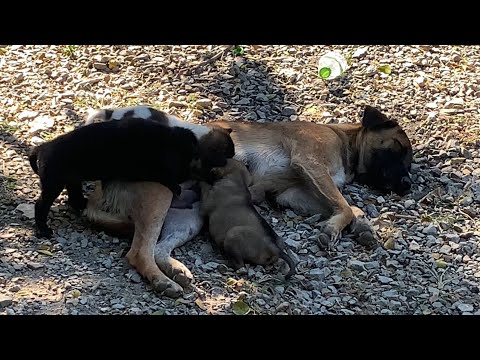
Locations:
(128, 150)
(234, 224)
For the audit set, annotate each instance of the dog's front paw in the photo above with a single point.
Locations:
(167, 288)
(175, 270)
(362, 229)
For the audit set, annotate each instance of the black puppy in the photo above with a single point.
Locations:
(128, 150)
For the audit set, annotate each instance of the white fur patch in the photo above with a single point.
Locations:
(142, 112)
(339, 177)
(198, 130)
(263, 159)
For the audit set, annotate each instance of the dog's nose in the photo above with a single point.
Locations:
(406, 183)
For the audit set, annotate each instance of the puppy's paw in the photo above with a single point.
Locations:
(78, 204)
(44, 232)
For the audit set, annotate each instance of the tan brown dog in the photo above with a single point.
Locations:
(233, 222)
(303, 164)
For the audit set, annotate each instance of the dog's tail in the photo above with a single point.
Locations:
(32, 158)
(290, 263)
(100, 114)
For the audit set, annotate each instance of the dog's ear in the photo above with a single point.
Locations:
(374, 119)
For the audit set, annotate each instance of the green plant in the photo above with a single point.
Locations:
(69, 50)
(238, 50)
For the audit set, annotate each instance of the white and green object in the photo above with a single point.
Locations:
(331, 65)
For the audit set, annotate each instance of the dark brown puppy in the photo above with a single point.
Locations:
(128, 150)
(234, 224)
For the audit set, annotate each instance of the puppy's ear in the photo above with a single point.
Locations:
(374, 119)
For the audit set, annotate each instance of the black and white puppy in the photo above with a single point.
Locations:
(129, 150)
(215, 143)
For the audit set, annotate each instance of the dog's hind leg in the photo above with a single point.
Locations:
(50, 191)
(75, 195)
(180, 226)
(150, 207)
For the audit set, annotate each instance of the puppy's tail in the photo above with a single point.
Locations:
(32, 158)
(100, 114)
(290, 263)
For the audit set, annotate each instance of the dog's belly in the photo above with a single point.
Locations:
(263, 159)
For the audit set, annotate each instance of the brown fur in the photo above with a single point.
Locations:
(234, 224)
(303, 164)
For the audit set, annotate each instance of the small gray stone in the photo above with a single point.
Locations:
(262, 97)
(15, 288)
(28, 210)
(84, 243)
(283, 306)
(34, 265)
(100, 66)
(430, 230)
(10, 311)
(414, 246)
(203, 104)
(136, 278)
(118, 307)
(289, 110)
(243, 101)
(380, 200)
(390, 294)
(465, 307)
(296, 245)
(452, 237)
(279, 289)
(372, 265)
(5, 301)
(409, 204)
(357, 265)
(372, 211)
(27, 115)
(384, 279)
(445, 249)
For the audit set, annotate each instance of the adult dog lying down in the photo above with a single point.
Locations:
(132, 149)
(303, 165)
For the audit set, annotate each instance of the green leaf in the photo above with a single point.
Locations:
(238, 50)
(386, 69)
(159, 312)
(441, 264)
(240, 308)
(45, 252)
(76, 293)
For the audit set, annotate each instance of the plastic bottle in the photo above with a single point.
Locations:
(331, 65)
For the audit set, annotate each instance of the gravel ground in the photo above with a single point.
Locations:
(429, 261)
